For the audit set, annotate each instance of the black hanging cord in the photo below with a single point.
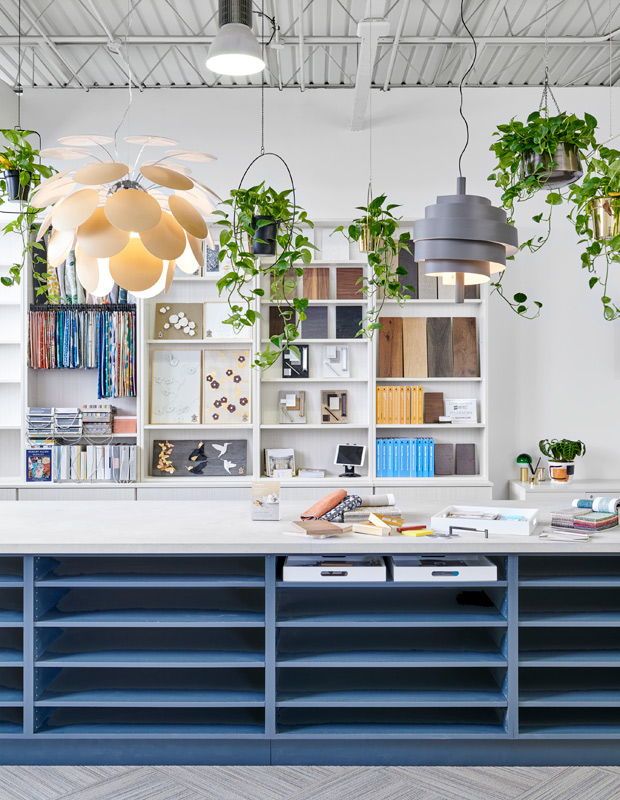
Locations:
(18, 88)
(463, 79)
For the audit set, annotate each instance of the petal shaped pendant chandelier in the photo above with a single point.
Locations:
(463, 239)
(128, 224)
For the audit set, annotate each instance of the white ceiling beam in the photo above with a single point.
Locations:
(369, 30)
(301, 45)
(293, 41)
(400, 25)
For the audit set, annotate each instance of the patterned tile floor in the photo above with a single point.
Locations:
(309, 783)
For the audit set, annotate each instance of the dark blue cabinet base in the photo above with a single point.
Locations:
(215, 660)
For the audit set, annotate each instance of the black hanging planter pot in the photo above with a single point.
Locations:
(264, 241)
(14, 189)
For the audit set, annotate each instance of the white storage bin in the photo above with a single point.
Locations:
(512, 521)
(426, 569)
(331, 569)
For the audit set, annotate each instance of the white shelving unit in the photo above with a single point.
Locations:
(314, 443)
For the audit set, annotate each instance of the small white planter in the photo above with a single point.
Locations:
(561, 471)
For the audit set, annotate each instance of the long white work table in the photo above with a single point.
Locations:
(165, 633)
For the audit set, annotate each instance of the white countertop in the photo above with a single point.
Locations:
(99, 527)
(575, 488)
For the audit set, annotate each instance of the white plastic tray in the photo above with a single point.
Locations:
(331, 569)
(457, 568)
(513, 521)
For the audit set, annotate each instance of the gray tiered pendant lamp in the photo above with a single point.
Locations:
(463, 239)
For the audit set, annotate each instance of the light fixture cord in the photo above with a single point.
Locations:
(127, 64)
(19, 64)
(462, 81)
(262, 80)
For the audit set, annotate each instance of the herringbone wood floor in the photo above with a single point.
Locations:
(309, 783)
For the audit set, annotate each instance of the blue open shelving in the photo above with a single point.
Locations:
(147, 648)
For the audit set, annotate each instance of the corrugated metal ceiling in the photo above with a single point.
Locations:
(76, 43)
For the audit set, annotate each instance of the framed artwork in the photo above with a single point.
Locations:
(202, 458)
(280, 462)
(315, 324)
(334, 406)
(292, 408)
(226, 395)
(336, 361)
(178, 321)
(348, 321)
(295, 363)
(39, 465)
(175, 386)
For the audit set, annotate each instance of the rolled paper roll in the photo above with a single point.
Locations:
(349, 503)
(378, 500)
(606, 505)
(325, 504)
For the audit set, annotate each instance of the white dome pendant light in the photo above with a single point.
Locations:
(463, 239)
(235, 50)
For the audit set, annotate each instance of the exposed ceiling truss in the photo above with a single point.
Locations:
(83, 44)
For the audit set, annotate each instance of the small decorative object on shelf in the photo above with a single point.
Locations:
(334, 406)
(178, 320)
(292, 408)
(295, 362)
(524, 460)
(266, 500)
(336, 361)
(350, 456)
(280, 462)
(561, 454)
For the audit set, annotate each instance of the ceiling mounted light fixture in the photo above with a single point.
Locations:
(235, 50)
(463, 239)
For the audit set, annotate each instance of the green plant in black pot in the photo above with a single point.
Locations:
(21, 166)
(561, 454)
(242, 223)
(377, 234)
(21, 173)
(595, 213)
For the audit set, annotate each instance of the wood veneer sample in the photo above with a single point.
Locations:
(316, 283)
(348, 321)
(439, 346)
(415, 362)
(406, 260)
(433, 407)
(444, 459)
(390, 363)
(465, 348)
(472, 292)
(315, 324)
(465, 459)
(276, 323)
(348, 283)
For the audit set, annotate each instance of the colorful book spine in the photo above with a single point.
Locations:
(405, 458)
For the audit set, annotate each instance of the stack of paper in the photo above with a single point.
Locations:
(39, 423)
(67, 423)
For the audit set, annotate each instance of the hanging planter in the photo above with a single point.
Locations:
(605, 212)
(595, 213)
(15, 189)
(260, 221)
(553, 171)
(377, 231)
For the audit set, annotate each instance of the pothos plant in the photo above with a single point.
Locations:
(600, 182)
(525, 153)
(377, 231)
(247, 212)
(19, 155)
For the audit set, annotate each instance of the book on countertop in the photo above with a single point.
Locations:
(565, 518)
(321, 528)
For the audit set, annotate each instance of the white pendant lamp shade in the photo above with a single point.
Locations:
(463, 239)
(124, 229)
(235, 50)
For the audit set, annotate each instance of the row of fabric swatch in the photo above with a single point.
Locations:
(87, 337)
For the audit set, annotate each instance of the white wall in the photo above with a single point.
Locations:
(8, 106)
(556, 376)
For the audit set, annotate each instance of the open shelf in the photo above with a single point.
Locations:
(570, 723)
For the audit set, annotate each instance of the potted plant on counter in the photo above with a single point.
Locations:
(541, 153)
(244, 240)
(561, 454)
(377, 235)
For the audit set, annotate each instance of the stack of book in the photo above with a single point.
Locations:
(583, 519)
(400, 405)
(39, 423)
(88, 463)
(67, 423)
(406, 458)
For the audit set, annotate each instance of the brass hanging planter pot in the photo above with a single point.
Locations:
(561, 170)
(605, 212)
(367, 241)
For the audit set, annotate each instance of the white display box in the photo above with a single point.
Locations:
(513, 521)
(331, 569)
(426, 569)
